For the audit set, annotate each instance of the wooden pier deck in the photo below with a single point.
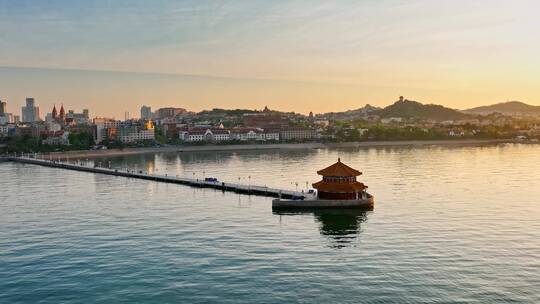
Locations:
(224, 186)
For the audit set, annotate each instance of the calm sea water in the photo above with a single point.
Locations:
(450, 225)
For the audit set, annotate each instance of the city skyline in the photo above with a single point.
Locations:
(293, 56)
(145, 111)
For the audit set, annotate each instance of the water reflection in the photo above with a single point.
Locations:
(205, 157)
(341, 227)
(145, 162)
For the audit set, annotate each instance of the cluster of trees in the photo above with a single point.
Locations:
(379, 132)
(81, 141)
(21, 144)
(32, 144)
(348, 132)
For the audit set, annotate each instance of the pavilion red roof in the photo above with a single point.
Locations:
(339, 169)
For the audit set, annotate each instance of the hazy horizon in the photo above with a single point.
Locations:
(302, 56)
(99, 93)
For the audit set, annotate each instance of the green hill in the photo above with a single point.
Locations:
(412, 109)
(509, 108)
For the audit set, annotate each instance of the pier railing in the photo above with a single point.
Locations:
(221, 185)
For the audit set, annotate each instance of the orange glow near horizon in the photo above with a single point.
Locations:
(290, 56)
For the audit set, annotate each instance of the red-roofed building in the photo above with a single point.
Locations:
(339, 183)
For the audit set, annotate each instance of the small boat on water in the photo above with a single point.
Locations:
(338, 189)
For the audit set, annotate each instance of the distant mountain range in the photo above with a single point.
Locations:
(413, 109)
(508, 108)
(409, 109)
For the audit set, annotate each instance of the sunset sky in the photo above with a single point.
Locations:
(114, 56)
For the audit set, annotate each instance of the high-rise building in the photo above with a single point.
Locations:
(169, 112)
(30, 113)
(146, 112)
(3, 107)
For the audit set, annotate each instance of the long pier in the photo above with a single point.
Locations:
(238, 188)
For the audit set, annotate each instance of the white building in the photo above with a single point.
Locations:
(248, 134)
(221, 135)
(209, 135)
(271, 135)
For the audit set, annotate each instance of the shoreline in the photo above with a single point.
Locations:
(291, 146)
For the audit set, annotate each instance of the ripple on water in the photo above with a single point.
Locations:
(457, 224)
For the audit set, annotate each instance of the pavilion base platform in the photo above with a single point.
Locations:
(366, 204)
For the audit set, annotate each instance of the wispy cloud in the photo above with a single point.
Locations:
(437, 45)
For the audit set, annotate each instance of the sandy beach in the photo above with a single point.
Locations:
(292, 146)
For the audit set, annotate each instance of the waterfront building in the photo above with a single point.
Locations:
(297, 134)
(339, 183)
(221, 134)
(271, 135)
(247, 134)
(30, 112)
(135, 131)
(208, 135)
(254, 134)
